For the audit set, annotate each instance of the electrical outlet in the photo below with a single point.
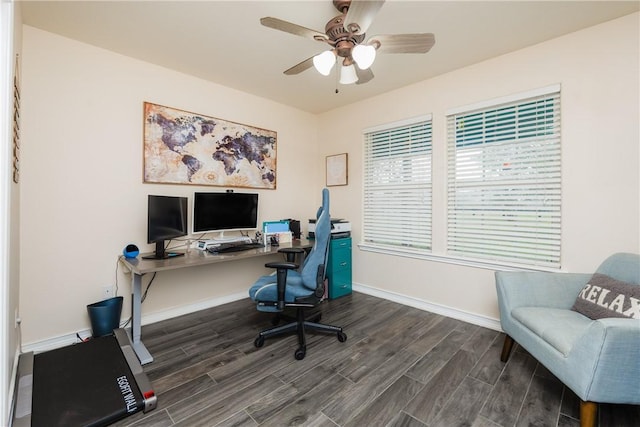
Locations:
(107, 291)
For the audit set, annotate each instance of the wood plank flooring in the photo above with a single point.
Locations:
(400, 366)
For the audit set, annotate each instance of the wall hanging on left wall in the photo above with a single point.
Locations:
(188, 148)
(16, 122)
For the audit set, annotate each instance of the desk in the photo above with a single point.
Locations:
(139, 267)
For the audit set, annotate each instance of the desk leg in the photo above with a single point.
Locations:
(136, 316)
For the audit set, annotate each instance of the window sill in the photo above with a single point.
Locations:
(427, 256)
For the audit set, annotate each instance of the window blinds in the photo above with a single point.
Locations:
(504, 182)
(397, 186)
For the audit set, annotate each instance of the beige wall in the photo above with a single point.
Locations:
(10, 253)
(83, 198)
(598, 71)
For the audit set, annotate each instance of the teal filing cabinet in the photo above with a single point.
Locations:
(339, 268)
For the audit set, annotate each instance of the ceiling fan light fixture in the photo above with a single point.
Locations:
(324, 62)
(363, 55)
(348, 74)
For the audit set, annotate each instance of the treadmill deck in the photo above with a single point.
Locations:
(93, 383)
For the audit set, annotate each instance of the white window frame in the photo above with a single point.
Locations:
(504, 189)
(395, 154)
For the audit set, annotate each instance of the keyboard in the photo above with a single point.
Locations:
(224, 248)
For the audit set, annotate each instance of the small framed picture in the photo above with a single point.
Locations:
(337, 169)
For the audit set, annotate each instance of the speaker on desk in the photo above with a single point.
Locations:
(130, 251)
(294, 227)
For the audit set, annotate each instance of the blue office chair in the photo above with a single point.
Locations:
(300, 290)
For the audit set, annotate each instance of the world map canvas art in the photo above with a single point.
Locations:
(187, 148)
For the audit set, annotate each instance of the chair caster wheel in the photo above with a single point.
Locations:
(301, 353)
(259, 342)
(342, 337)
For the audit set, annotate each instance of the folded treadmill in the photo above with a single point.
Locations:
(93, 383)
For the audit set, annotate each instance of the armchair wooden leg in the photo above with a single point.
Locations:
(588, 412)
(506, 348)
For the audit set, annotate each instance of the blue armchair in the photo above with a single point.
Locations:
(298, 290)
(599, 360)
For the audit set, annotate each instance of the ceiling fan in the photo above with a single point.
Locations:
(346, 34)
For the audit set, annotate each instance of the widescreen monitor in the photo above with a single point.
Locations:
(219, 212)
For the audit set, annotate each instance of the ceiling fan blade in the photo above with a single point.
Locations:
(361, 14)
(288, 27)
(363, 75)
(298, 68)
(404, 43)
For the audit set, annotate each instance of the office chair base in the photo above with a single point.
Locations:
(275, 321)
(299, 326)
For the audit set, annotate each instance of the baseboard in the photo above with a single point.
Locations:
(71, 338)
(475, 319)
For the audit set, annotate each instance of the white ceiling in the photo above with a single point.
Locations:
(223, 41)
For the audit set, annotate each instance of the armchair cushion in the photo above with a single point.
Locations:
(544, 323)
(605, 296)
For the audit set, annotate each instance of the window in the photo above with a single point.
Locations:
(397, 186)
(504, 181)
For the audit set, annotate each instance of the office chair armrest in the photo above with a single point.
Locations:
(282, 264)
(290, 253)
(281, 268)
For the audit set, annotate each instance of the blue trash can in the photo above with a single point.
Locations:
(105, 316)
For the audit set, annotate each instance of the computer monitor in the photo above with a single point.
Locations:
(219, 212)
(166, 220)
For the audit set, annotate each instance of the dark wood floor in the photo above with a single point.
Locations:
(400, 366)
